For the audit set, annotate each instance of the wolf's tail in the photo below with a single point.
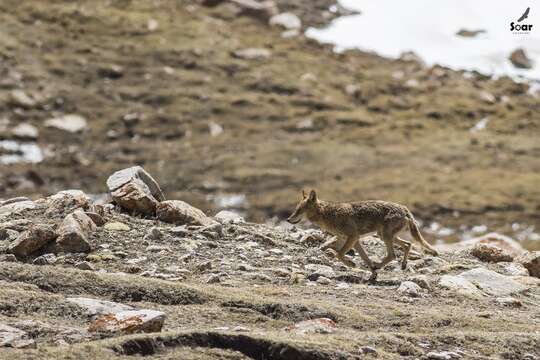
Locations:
(415, 232)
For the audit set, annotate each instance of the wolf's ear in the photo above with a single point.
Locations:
(312, 195)
(304, 194)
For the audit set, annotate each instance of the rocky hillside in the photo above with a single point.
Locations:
(135, 274)
(230, 111)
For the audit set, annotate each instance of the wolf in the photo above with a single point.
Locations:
(350, 221)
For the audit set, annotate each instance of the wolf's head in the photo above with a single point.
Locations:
(307, 203)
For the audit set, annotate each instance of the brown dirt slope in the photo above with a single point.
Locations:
(400, 132)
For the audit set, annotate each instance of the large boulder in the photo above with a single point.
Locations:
(74, 231)
(180, 212)
(129, 322)
(519, 59)
(32, 240)
(17, 207)
(531, 261)
(135, 190)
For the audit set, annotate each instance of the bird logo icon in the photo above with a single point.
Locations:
(525, 15)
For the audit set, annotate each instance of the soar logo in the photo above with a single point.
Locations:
(521, 28)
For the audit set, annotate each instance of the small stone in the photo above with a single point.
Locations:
(492, 283)
(261, 10)
(111, 71)
(129, 322)
(84, 265)
(409, 288)
(487, 97)
(154, 234)
(22, 99)
(313, 326)
(368, 350)
(509, 301)
(422, 281)
(520, 59)
(11, 235)
(17, 207)
(25, 131)
(215, 129)
(116, 226)
(319, 270)
(180, 212)
(228, 217)
(45, 259)
(213, 279)
(35, 238)
(152, 25)
(352, 90)
(74, 231)
(68, 123)
(8, 258)
(323, 280)
(286, 20)
(252, 54)
(207, 265)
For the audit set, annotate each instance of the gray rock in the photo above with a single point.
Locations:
(512, 269)
(25, 131)
(286, 20)
(85, 265)
(129, 322)
(490, 253)
(15, 338)
(66, 201)
(252, 54)
(22, 99)
(422, 281)
(319, 270)
(180, 212)
(93, 307)
(313, 326)
(68, 123)
(17, 207)
(492, 283)
(124, 176)
(443, 355)
(33, 239)
(261, 10)
(45, 259)
(228, 217)
(459, 285)
(368, 350)
(508, 301)
(74, 232)
(410, 289)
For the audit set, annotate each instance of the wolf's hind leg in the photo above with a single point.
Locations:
(406, 246)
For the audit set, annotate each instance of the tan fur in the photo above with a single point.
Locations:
(350, 221)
